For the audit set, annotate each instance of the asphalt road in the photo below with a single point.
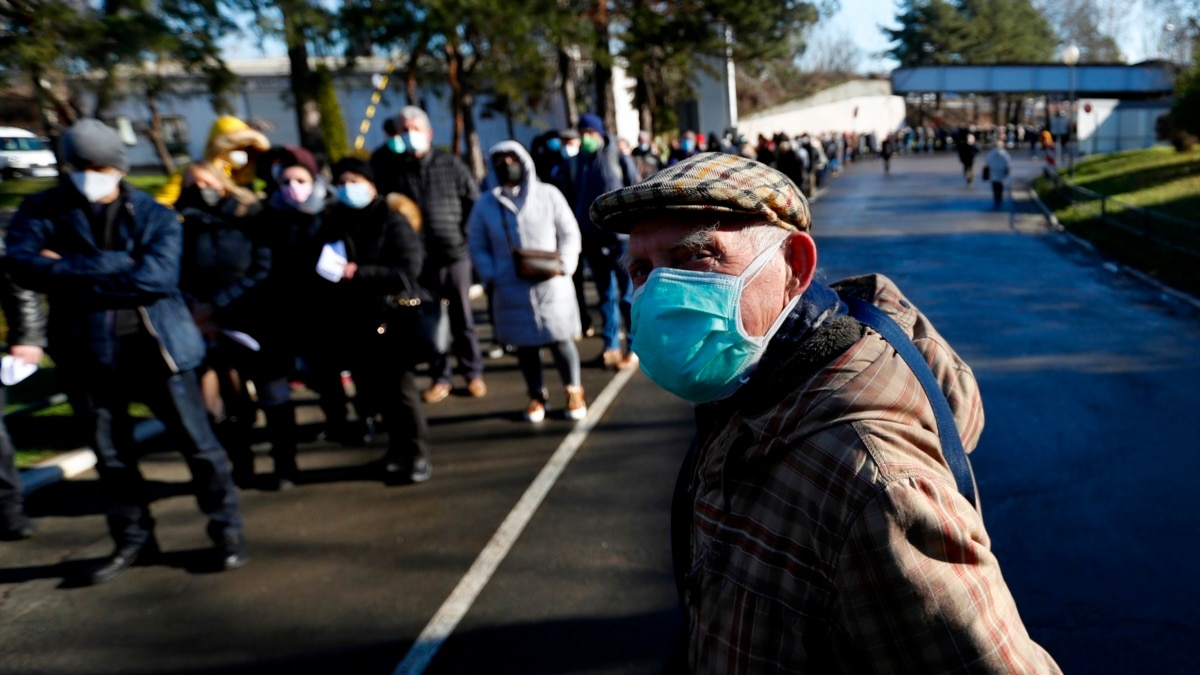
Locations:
(1083, 470)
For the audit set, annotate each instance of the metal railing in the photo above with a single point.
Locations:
(1171, 232)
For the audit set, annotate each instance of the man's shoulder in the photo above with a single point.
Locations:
(145, 205)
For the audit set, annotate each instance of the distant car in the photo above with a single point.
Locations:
(22, 153)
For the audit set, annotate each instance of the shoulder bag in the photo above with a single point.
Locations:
(531, 264)
(419, 322)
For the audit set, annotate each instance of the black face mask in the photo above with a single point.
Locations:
(509, 174)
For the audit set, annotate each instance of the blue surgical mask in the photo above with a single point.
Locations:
(354, 195)
(688, 332)
(554, 144)
(396, 145)
(687, 145)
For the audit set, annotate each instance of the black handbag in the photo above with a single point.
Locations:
(419, 322)
(531, 264)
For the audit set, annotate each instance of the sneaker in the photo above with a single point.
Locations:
(436, 393)
(576, 405)
(477, 388)
(630, 360)
(535, 412)
(611, 357)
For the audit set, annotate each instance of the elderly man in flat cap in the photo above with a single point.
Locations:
(825, 517)
(108, 258)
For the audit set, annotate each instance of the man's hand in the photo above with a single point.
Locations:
(27, 353)
(53, 255)
(349, 272)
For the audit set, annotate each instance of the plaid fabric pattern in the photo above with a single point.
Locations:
(710, 181)
(828, 535)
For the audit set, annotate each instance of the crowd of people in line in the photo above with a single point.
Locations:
(289, 270)
(814, 443)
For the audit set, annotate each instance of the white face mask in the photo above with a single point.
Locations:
(238, 158)
(416, 141)
(95, 185)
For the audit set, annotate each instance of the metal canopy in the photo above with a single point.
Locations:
(1151, 79)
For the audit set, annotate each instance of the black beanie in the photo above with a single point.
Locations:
(354, 165)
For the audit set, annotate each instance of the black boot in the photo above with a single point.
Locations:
(234, 434)
(121, 559)
(281, 430)
(16, 525)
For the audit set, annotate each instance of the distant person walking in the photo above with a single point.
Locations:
(996, 164)
(886, 150)
(967, 150)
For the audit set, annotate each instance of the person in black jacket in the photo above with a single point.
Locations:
(107, 255)
(444, 189)
(226, 261)
(26, 339)
(384, 257)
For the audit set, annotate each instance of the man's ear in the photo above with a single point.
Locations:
(800, 251)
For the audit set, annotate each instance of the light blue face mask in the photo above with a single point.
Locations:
(688, 331)
(354, 195)
(396, 145)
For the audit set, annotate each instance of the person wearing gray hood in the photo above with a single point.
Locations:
(522, 212)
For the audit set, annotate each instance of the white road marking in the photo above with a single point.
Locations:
(452, 611)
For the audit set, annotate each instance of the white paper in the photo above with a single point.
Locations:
(332, 263)
(242, 339)
(13, 370)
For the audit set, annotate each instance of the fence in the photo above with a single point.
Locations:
(1178, 234)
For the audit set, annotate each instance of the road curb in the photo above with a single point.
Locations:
(69, 464)
(1052, 222)
(59, 467)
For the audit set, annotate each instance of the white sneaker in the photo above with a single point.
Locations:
(576, 405)
(536, 412)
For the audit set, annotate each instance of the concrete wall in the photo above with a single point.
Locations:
(834, 109)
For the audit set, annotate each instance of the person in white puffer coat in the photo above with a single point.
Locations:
(997, 163)
(523, 212)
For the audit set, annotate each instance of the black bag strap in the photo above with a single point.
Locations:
(504, 225)
(952, 448)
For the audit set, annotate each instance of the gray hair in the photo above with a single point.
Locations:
(411, 113)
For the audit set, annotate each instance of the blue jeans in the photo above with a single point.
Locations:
(10, 476)
(101, 393)
(614, 288)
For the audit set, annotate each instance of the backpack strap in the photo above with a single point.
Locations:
(952, 448)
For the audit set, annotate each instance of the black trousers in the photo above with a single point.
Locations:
(101, 394)
(10, 476)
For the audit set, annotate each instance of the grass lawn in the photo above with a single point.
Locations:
(1160, 179)
(13, 191)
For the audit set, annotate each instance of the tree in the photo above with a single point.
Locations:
(663, 43)
(1185, 111)
(36, 45)
(931, 32)
(1086, 24)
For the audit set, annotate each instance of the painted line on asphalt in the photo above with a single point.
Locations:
(456, 606)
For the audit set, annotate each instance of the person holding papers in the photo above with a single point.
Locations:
(226, 260)
(290, 220)
(371, 253)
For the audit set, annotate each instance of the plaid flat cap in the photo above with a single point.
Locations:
(710, 181)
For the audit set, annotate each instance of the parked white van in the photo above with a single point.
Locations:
(24, 154)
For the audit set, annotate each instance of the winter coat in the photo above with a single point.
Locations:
(387, 250)
(535, 215)
(89, 284)
(997, 162)
(226, 261)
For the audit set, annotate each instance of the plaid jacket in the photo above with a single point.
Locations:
(827, 533)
